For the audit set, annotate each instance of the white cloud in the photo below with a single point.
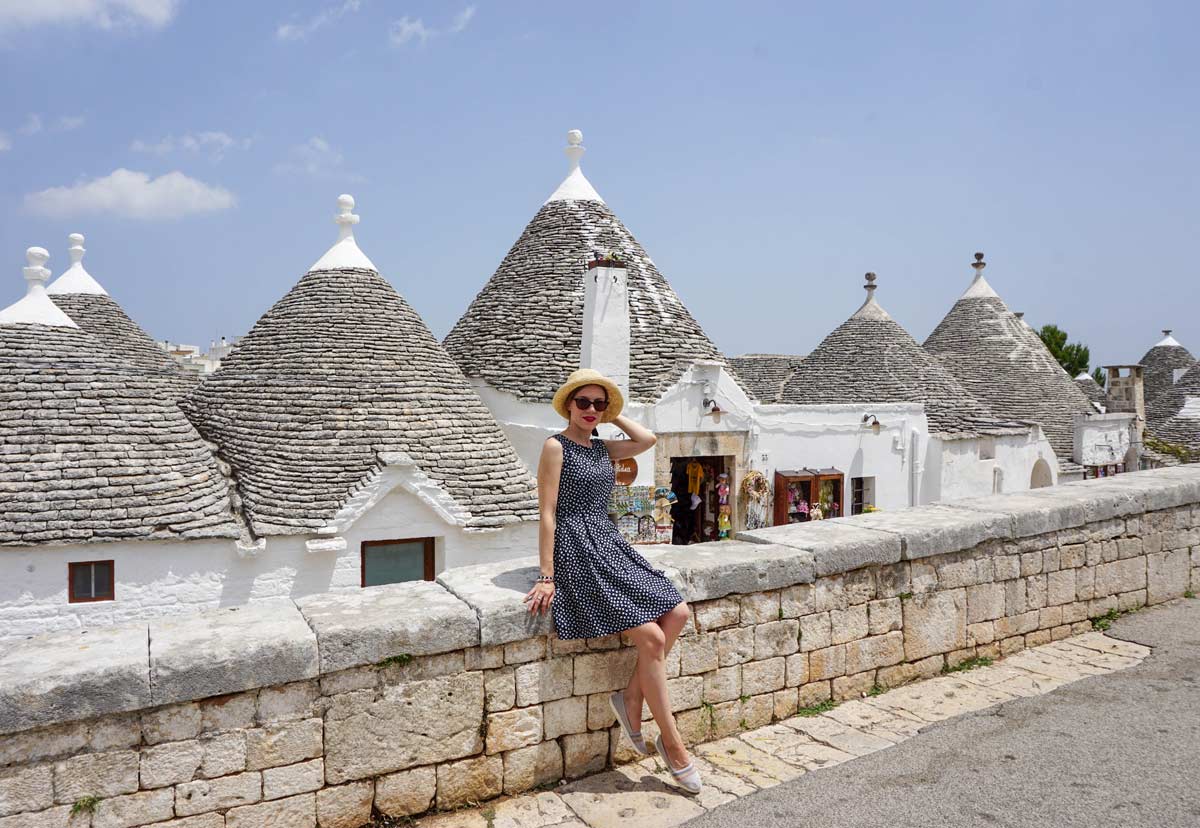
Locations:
(409, 29)
(214, 143)
(5, 144)
(462, 20)
(131, 194)
(66, 123)
(103, 14)
(316, 158)
(32, 125)
(301, 31)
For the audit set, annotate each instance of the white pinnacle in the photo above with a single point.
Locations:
(871, 309)
(1168, 341)
(35, 307)
(75, 279)
(345, 253)
(575, 187)
(979, 288)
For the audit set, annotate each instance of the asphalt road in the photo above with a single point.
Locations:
(1115, 750)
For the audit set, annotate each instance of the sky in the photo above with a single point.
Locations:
(766, 155)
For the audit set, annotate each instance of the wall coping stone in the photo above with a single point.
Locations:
(230, 650)
(367, 626)
(838, 546)
(81, 674)
(78, 674)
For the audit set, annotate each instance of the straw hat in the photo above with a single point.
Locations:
(587, 376)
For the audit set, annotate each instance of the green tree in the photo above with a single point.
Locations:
(1098, 376)
(1073, 357)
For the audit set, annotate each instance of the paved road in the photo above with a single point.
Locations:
(1115, 750)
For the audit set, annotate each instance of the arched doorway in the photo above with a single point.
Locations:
(1041, 476)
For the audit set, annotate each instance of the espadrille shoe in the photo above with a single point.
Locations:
(617, 702)
(688, 776)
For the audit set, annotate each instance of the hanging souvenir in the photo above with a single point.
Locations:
(695, 474)
(724, 524)
(722, 488)
(756, 497)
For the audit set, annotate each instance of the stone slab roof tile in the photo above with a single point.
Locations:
(1175, 414)
(765, 374)
(1160, 364)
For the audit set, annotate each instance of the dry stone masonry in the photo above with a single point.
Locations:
(423, 696)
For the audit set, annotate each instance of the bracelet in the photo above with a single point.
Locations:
(545, 579)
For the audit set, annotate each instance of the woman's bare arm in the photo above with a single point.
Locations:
(549, 471)
(640, 439)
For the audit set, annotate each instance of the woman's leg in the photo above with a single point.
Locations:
(649, 682)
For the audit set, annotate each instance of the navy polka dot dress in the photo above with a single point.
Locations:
(602, 585)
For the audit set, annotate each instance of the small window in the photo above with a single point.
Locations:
(90, 581)
(987, 448)
(395, 561)
(862, 495)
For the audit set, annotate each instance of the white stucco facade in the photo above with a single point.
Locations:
(155, 578)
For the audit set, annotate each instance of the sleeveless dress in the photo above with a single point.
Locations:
(602, 585)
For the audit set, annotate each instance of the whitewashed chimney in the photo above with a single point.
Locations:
(605, 345)
(35, 307)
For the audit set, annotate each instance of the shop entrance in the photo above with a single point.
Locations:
(704, 499)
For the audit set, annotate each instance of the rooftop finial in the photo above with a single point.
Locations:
(575, 148)
(1167, 332)
(76, 249)
(870, 285)
(35, 274)
(1019, 314)
(979, 264)
(345, 218)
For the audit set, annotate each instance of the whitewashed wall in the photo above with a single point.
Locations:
(954, 468)
(155, 578)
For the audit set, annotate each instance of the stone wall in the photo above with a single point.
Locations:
(431, 695)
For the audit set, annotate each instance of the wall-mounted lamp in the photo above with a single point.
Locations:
(872, 422)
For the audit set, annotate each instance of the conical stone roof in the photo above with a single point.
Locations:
(1002, 361)
(1175, 414)
(93, 450)
(339, 379)
(522, 332)
(1160, 364)
(86, 302)
(765, 374)
(870, 358)
(1090, 388)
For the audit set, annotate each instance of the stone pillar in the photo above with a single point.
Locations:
(1127, 394)
(605, 343)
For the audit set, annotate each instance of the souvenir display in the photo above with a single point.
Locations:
(722, 488)
(756, 499)
(695, 473)
(724, 523)
(642, 513)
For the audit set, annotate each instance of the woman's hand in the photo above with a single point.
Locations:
(539, 597)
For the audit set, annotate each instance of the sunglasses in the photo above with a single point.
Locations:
(583, 404)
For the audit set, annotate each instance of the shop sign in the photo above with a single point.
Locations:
(626, 470)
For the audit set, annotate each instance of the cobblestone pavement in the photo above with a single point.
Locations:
(642, 794)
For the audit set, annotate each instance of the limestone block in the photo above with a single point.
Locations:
(814, 693)
(816, 631)
(230, 649)
(1128, 601)
(515, 728)
(541, 681)
(735, 646)
(26, 789)
(893, 581)
(1006, 567)
(1035, 591)
(346, 806)
(759, 608)
(726, 718)
(293, 812)
(95, 774)
(223, 755)
(485, 658)
(469, 780)
(1049, 618)
(1031, 563)
(57, 741)
(961, 570)
(927, 531)
(369, 625)
(784, 703)
(171, 723)
(838, 545)
(1060, 587)
(829, 593)
(1160, 488)
(290, 780)
(527, 649)
(217, 794)
(170, 763)
(713, 570)
(935, 623)
(777, 638)
(529, 767)
(58, 817)
(134, 809)
(848, 624)
(797, 600)
(1168, 575)
(495, 592)
(1013, 625)
(1037, 638)
(234, 711)
(500, 689)
(757, 711)
(693, 725)
(600, 716)
(288, 702)
(723, 684)
(796, 670)
(70, 676)
(876, 651)
(407, 792)
(911, 671)
(1031, 515)
(584, 753)
(853, 687)
(561, 716)
(827, 663)
(686, 692)
(716, 614)
(421, 722)
(1085, 583)
(1014, 597)
(608, 670)
(762, 676)
(884, 616)
(697, 654)
(1075, 611)
(284, 743)
(347, 681)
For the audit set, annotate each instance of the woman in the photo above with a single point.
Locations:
(592, 580)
